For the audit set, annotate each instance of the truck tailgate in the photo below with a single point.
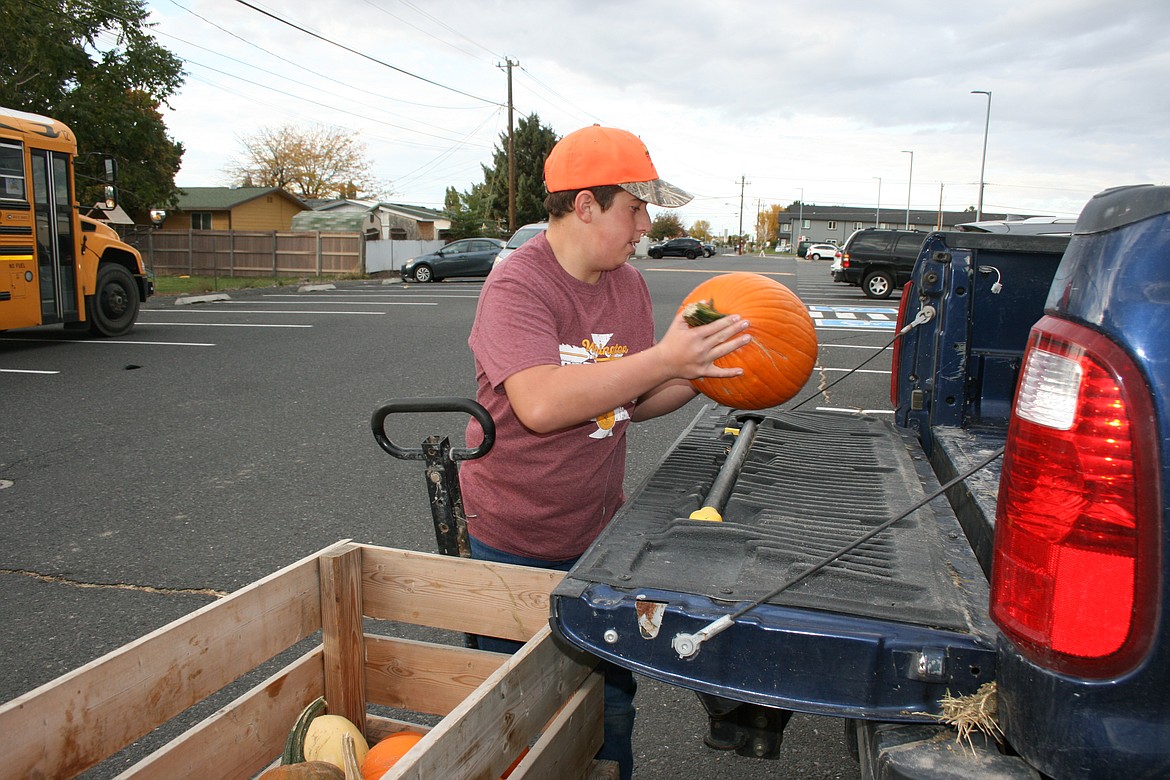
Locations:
(884, 632)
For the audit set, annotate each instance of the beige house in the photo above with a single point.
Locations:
(233, 208)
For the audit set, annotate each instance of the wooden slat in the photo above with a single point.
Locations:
(82, 718)
(79, 719)
(341, 630)
(571, 739)
(243, 737)
(379, 727)
(424, 677)
(480, 737)
(476, 597)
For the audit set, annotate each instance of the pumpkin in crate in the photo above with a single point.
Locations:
(309, 749)
(386, 753)
(308, 770)
(783, 349)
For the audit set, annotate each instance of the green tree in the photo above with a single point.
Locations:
(58, 61)
(532, 142)
(468, 213)
(666, 225)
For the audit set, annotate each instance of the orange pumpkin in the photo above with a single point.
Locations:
(783, 349)
(386, 753)
(306, 770)
(516, 763)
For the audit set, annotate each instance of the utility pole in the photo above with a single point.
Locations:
(909, 185)
(739, 238)
(508, 63)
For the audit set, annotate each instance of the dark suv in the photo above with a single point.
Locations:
(878, 260)
(689, 248)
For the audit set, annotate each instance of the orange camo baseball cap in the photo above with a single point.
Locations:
(595, 156)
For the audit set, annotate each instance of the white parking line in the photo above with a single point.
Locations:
(855, 346)
(371, 295)
(860, 309)
(848, 325)
(319, 302)
(222, 324)
(121, 341)
(25, 371)
(275, 311)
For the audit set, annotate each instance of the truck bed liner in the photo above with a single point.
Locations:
(812, 483)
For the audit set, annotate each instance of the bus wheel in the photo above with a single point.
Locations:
(114, 305)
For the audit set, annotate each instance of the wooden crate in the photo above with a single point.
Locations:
(492, 706)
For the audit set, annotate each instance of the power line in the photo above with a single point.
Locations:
(288, 61)
(440, 23)
(446, 26)
(318, 103)
(571, 107)
(429, 166)
(395, 68)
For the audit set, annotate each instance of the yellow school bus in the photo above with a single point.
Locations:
(57, 266)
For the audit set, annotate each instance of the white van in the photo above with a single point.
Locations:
(517, 240)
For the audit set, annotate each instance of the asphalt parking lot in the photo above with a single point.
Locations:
(142, 477)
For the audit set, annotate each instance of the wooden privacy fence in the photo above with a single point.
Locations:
(251, 252)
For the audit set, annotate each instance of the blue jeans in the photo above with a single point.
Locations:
(620, 684)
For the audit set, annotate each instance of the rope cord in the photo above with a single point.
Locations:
(830, 558)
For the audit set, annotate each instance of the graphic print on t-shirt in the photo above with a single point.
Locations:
(597, 349)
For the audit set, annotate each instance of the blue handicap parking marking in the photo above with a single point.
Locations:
(863, 317)
(862, 324)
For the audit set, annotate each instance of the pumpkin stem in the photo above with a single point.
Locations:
(294, 746)
(701, 313)
(349, 754)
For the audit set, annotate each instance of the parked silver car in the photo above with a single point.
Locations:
(465, 257)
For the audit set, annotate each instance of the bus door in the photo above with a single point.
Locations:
(53, 212)
(19, 298)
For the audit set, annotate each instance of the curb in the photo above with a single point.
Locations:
(189, 299)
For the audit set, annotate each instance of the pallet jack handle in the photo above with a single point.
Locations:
(442, 471)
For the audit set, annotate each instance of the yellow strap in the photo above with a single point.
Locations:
(707, 513)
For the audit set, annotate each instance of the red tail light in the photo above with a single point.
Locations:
(1075, 564)
(897, 355)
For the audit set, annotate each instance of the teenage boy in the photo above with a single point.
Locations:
(565, 360)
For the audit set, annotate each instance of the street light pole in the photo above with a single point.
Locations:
(877, 213)
(909, 184)
(983, 164)
(800, 222)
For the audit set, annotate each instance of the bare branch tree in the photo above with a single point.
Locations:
(314, 162)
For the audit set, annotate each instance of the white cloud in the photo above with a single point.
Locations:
(821, 98)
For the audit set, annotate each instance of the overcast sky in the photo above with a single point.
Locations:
(761, 97)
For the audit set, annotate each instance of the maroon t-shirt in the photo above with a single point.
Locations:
(548, 496)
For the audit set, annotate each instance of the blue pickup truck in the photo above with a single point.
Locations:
(1004, 543)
